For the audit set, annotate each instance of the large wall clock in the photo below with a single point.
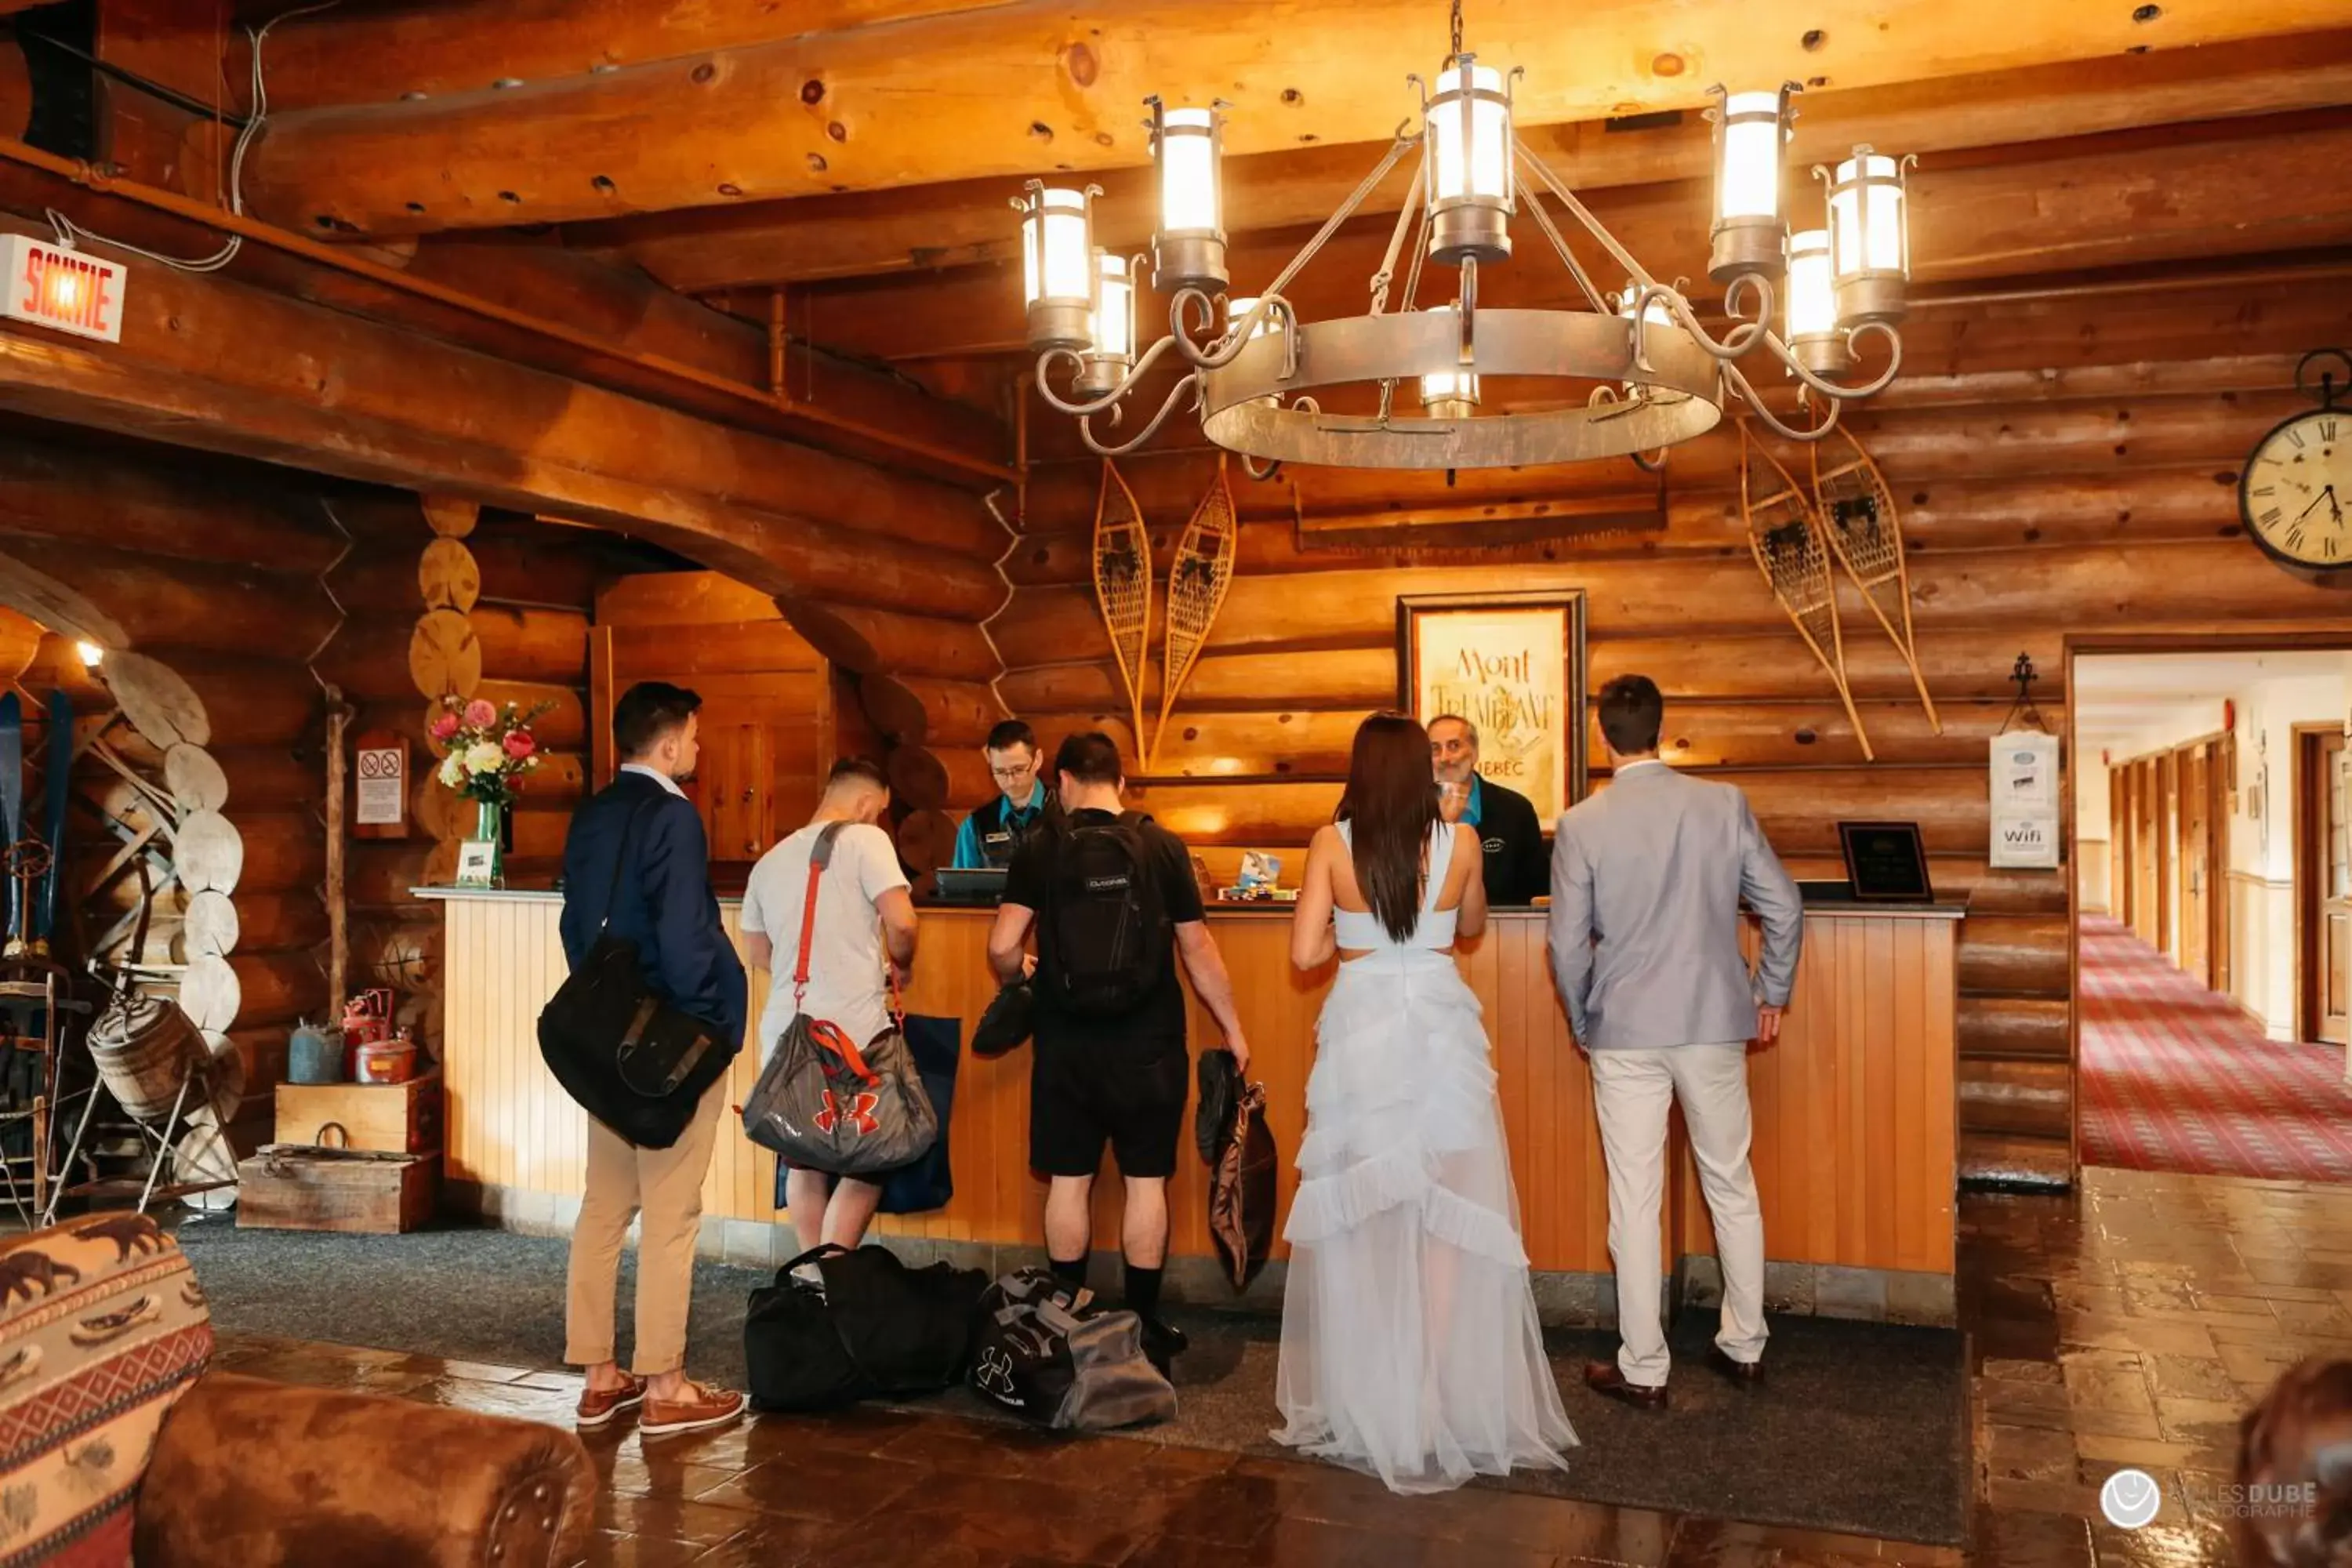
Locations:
(2296, 495)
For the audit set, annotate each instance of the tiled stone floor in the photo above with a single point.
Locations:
(2131, 1324)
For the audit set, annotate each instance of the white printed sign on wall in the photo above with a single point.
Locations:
(2024, 786)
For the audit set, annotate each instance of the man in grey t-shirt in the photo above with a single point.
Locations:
(1647, 878)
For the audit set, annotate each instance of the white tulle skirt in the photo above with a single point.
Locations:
(1409, 1345)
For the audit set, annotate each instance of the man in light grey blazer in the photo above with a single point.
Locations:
(1647, 878)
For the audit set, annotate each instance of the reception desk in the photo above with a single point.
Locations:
(1855, 1115)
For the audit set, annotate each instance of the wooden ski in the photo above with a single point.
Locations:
(1123, 587)
(1197, 581)
(1857, 513)
(1785, 535)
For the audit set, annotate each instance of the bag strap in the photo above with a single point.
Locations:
(820, 857)
(620, 859)
(816, 1254)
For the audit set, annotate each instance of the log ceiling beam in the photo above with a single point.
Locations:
(212, 364)
(998, 92)
(2125, 200)
(561, 312)
(702, 249)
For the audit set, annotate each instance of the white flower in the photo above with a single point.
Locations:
(485, 757)
(453, 770)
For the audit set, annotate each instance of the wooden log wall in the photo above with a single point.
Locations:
(200, 580)
(445, 597)
(2052, 481)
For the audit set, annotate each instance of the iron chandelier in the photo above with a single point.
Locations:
(1256, 371)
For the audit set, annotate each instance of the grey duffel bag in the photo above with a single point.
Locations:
(1053, 1356)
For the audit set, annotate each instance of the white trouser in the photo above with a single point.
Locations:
(1632, 1092)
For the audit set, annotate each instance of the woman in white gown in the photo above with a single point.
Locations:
(1409, 1345)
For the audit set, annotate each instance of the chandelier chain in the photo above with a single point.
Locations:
(1458, 32)
(1413, 204)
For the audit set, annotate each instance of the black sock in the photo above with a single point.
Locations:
(1072, 1273)
(1143, 1291)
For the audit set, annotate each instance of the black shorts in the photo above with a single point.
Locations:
(1090, 1087)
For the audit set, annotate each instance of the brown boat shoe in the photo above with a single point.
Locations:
(598, 1405)
(703, 1407)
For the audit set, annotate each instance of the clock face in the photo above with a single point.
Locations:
(2296, 495)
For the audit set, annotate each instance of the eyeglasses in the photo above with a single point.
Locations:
(1021, 771)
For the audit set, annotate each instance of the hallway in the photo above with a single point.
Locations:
(2174, 1078)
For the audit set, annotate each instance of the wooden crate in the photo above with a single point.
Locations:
(288, 1186)
(391, 1118)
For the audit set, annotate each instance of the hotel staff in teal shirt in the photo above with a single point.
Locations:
(989, 835)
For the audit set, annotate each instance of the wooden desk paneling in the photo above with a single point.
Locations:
(1855, 1143)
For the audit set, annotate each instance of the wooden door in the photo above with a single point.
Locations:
(2167, 838)
(2119, 827)
(2223, 769)
(2324, 884)
(2146, 858)
(2196, 771)
(735, 790)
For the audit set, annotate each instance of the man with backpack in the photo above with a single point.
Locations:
(1111, 896)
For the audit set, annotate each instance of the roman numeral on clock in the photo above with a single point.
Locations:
(2296, 437)
(2265, 490)
(2270, 516)
(2327, 429)
(2294, 537)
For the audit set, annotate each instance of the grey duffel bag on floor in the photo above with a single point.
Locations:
(1054, 1356)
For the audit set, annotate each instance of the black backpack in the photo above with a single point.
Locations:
(1107, 946)
(877, 1329)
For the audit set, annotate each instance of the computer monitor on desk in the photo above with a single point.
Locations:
(970, 885)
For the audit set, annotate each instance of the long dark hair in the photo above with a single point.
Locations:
(1390, 804)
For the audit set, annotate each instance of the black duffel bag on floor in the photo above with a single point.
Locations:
(876, 1328)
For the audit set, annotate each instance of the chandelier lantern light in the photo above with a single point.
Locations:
(1257, 375)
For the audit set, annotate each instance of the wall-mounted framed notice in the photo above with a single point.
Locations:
(1512, 664)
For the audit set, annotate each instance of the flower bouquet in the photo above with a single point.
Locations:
(490, 749)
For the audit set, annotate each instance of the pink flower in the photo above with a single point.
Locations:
(520, 744)
(444, 727)
(481, 713)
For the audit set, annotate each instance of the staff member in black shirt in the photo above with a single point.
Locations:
(1111, 898)
(1519, 869)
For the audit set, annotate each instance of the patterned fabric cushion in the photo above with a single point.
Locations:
(102, 1327)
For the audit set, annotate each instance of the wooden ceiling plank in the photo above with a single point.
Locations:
(703, 248)
(442, 46)
(2045, 210)
(1003, 92)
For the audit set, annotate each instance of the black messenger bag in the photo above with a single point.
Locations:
(626, 1055)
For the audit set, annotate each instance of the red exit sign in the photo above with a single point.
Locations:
(70, 291)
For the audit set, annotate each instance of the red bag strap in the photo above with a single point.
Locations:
(820, 857)
(828, 1036)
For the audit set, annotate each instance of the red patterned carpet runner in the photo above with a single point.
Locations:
(2175, 1078)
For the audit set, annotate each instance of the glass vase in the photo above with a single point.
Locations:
(490, 827)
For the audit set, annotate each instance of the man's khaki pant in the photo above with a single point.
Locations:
(1633, 1090)
(663, 1188)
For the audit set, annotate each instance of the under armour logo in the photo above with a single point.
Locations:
(858, 1113)
(995, 1373)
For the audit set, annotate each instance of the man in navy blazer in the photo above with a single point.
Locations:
(643, 827)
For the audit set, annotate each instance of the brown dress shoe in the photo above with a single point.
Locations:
(701, 1407)
(598, 1405)
(1605, 1378)
(1746, 1374)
